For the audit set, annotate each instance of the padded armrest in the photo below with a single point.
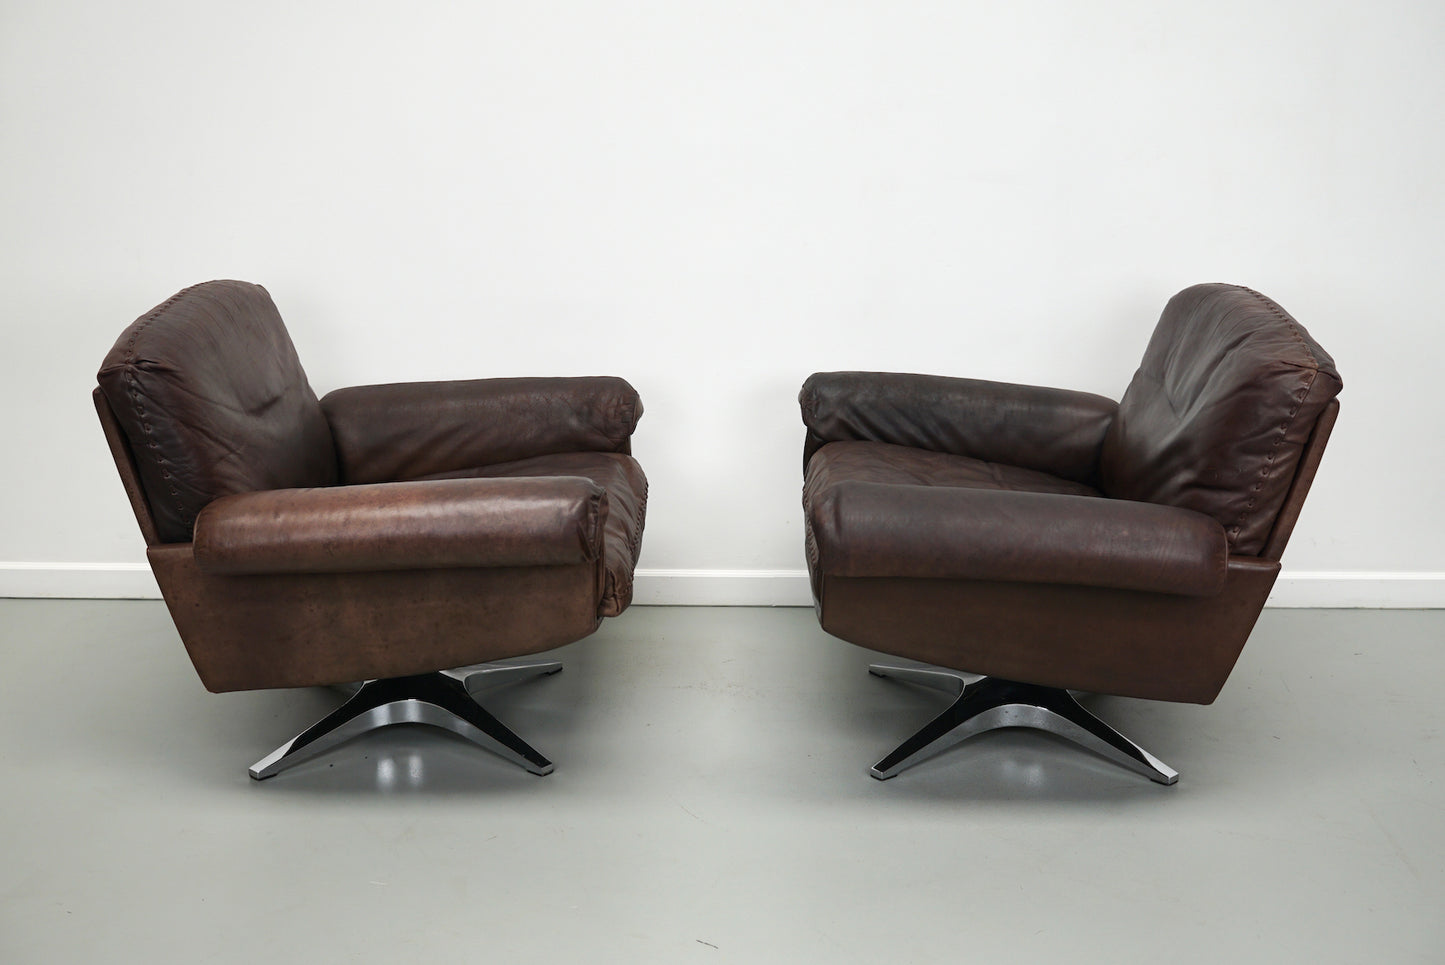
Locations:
(870, 529)
(1057, 431)
(386, 433)
(522, 521)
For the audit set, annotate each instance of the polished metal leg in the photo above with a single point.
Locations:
(987, 703)
(934, 677)
(482, 677)
(440, 699)
(478, 678)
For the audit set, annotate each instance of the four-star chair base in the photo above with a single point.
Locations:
(988, 703)
(442, 699)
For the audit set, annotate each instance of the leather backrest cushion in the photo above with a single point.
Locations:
(213, 401)
(1219, 411)
(413, 430)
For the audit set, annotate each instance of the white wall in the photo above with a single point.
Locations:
(714, 200)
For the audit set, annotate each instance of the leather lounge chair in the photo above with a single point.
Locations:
(393, 535)
(1055, 541)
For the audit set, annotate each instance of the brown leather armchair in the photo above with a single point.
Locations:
(387, 533)
(1052, 540)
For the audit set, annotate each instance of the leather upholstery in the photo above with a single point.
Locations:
(513, 524)
(621, 478)
(1130, 643)
(419, 429)
(307, 629)
(404, 526)
(941, 532)
(1053, 538)
(1220, 409)
(1057, 431)
(212, 400)
(883, 462)
(886, 463)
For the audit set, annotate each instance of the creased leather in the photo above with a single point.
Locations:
(554, 521)
(304, 629)
(869, 529)
(1057, 431)
(884, 463)
(412, 430)
(307, 583)
(626, 487)
(984, 565)
(1217, 415)
(213, 400)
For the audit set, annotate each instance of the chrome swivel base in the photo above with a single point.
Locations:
(987, 703)
(443, 699)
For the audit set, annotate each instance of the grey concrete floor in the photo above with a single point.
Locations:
(711, 803)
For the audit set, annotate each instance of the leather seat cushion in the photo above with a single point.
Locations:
(881, 462)
(626, 486)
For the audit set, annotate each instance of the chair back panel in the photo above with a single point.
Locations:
(212, 400)
(1304, 478)
(124, 458)
(1219, 412)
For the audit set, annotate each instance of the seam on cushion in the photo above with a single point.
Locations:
(997, 476)
(810, 539)
(1289, 322)
(619, 417)
(596, 525)
(624, 418)
(634, 544)
(1269, 462)
(810, 408)
(1283, 316)
(134, 392)
(1297, 365)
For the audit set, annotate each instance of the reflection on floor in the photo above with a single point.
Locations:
(712, 802)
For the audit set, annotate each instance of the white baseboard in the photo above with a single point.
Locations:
(1344, 589)
(79, 581)
(721, 588)
(1324, 588)
(1330, 589)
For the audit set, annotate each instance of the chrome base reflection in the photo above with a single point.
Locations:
(987, 703)
(444, 699)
